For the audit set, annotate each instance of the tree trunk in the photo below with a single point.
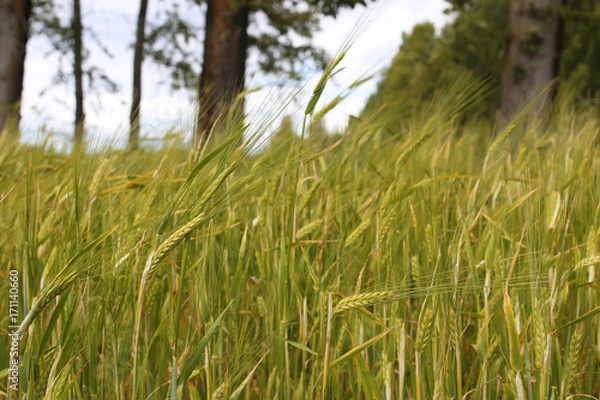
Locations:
(134, 117)
(532, 54)
(224, 61)
(14, 28)
(78, 72)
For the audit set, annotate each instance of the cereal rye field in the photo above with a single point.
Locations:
(438, 261)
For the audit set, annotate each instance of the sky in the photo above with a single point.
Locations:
(375, 32)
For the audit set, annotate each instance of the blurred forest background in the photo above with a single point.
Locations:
(517, 47)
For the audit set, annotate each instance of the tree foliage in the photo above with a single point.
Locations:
(581, 48)
(279, 37)
(283, 41)
(171, 43)
(473, 44)
(428, 63)
(52, 19)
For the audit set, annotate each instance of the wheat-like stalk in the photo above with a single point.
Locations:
(586, 262)
(60, 284)
(496, 296)
(539, 335)
(500, 139)
(59, 385)
(494, 344)
(41, 379)
(552, 210)
(415, 268)
(413, 147)
(308, 228)
(153, 292)
(272, 381)
(308, 195)
(49, 224)
(575, 352)
(339, 344)
(425, 329)
(328, 107)
(98, 175)
(166, 247)
(516, 359)
(49, 264)
(387, 198)
(364, 300)
(388, 221)
(438, 388)
(545, 370)
(429, 240)
(453, 327)
(320, 86)
(355, 234)
(262, 307)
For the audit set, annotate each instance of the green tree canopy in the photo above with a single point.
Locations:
(473, 43)
(279, 37)
(581, 48)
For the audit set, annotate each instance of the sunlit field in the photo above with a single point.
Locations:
(438, 260)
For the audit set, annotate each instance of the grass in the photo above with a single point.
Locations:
(431, 262)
